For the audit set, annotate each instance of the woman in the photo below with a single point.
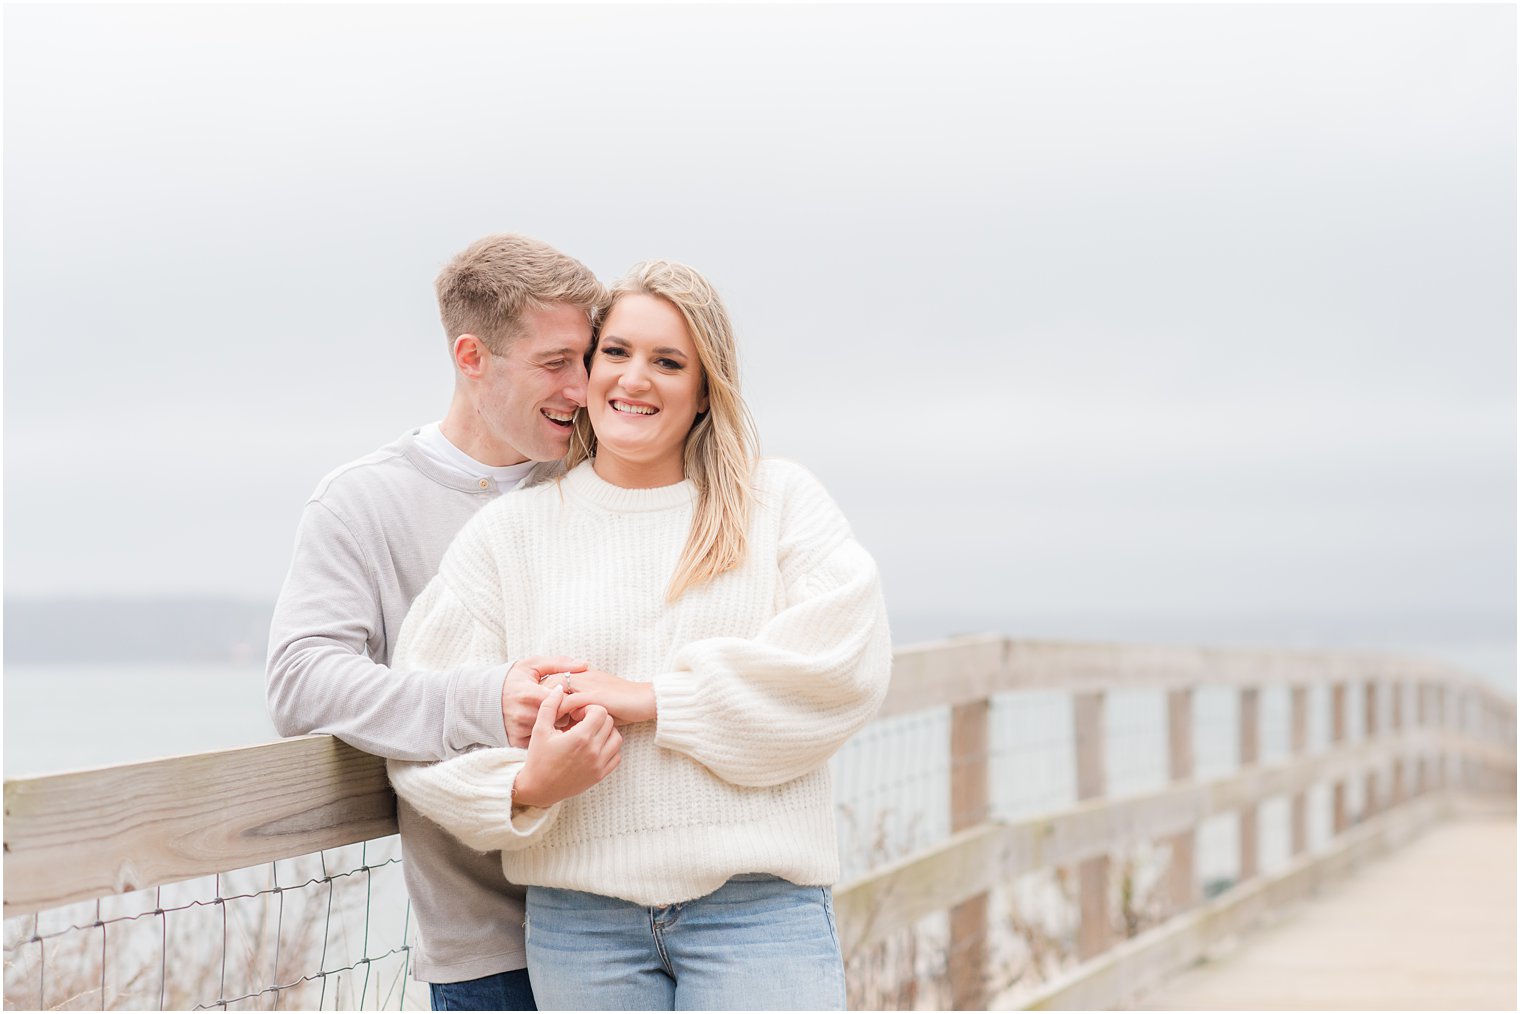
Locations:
(750, 640)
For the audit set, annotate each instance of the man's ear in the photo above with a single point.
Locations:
(470, 355)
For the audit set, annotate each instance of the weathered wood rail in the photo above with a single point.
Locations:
(88, 834)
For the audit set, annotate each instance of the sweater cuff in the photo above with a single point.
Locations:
(474, 717)
(531, 821)
(677, 705)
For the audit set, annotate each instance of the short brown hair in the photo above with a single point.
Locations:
(485, 290)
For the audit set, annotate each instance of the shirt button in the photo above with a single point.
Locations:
(485, 484)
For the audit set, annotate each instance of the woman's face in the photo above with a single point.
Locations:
(646, 389)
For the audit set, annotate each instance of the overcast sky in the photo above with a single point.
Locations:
(1077, 310)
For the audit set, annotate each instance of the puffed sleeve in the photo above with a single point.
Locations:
(769, 709)
(456, 620)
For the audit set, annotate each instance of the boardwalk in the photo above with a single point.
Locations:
(1430, 926)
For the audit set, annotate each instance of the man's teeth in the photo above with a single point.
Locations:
(560, 417)
(623, 406)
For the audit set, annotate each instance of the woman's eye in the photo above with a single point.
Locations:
(668, 364)
(613, 353)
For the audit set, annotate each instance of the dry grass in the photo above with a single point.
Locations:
(259, 949)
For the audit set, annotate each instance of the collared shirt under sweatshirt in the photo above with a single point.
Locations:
(760, 675)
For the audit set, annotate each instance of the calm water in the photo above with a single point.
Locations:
(66, 716)
(62, 717)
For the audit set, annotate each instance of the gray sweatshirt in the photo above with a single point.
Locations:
(370, 539)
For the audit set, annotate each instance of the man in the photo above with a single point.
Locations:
(518, 315)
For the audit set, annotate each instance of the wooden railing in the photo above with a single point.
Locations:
(88, 834)
(1455, 716)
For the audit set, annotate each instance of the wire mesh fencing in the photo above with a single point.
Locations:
(327, 931)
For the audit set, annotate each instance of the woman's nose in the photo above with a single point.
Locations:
(635, 378)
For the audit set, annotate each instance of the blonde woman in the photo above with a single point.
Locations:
(748, 638)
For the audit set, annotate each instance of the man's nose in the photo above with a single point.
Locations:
(575, 389)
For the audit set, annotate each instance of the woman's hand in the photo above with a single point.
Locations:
(523, 691)
(566, 762)
(626, 701)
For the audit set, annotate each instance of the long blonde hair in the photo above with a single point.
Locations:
(722, 447)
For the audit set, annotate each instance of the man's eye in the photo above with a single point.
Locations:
(556, 364)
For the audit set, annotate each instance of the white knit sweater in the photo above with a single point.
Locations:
(759, 676)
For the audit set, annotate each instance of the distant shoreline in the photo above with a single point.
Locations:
(231, 631)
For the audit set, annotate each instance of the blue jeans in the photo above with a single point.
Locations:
(502, 991)
(756, 943)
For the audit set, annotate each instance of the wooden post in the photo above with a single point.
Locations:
(969, 727)
(1370, 729)
(1422, 723)
(1396, 727)
(1465, 727)
(1250, 753)
(1299, 745)
(1095, 933)
(1439, 702)
(1181, 876)
(1339, 821)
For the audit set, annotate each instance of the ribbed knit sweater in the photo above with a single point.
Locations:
(759, 676)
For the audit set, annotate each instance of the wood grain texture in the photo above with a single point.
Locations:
(945, 673)
(1249, 741)
(86, 834)
(974, 861)
(1114, 980)
(1181, 873)
(964, 669)
(1298, 743)
(1095, 931)
(970, 733)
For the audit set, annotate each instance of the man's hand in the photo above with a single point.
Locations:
(566, 762)
(626, 701)
(521, 693)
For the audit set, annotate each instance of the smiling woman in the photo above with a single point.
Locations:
(646, 391)
(748, 635)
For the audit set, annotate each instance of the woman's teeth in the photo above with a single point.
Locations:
(619, 406)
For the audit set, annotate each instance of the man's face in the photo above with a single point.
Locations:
(529, 394)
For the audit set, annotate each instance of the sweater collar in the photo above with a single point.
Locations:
(583, 481)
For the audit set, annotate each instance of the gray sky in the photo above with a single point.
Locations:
(1077, 310)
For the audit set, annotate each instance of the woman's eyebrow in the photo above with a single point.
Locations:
(661, 350)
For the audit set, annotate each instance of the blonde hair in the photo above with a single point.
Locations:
(485, 290)
(722, 447)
